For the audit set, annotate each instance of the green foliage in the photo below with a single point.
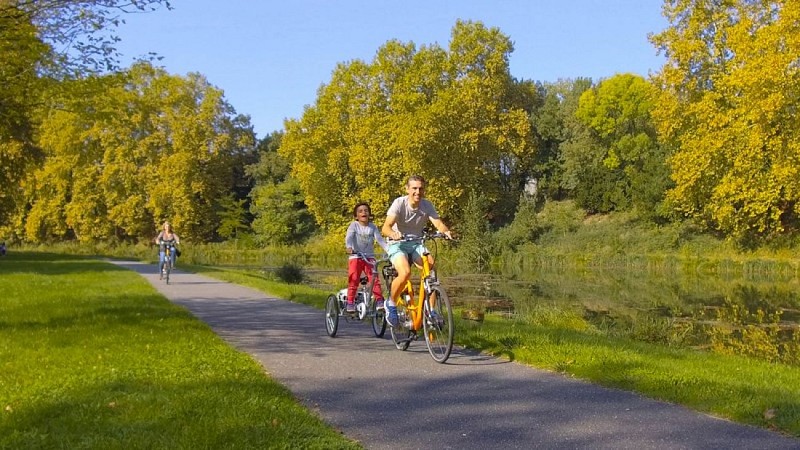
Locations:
(81, 33)
(560, 218)
(281, 215)
(552, 110)
(279, 207)
(524, 229)
(562, 138)
(42, 45)
(128, 151)
(232, 217)
(728, 105)
(20, 90)
(623, 166)
(475, 247)
(290, 273)
(445, 114)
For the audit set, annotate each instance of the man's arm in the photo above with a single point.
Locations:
(379, 239)
(387, 228)
(441, 227)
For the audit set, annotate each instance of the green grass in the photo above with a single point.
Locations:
(91, 356)
(744, 390)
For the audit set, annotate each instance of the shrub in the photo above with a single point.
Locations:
(290, 273)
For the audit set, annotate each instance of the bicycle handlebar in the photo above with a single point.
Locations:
(366, 258)
(424, 237)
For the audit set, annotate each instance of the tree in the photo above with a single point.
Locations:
(80, 33)
(552, 110)
(728, 105)
(277, 203)
(627, 166)
(475, 249)
(232, 217)
(20, 51)
(444, 114)
(144, 147)
(41, 45)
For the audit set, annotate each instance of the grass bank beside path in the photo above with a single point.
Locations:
(741, 389)
(91, 356)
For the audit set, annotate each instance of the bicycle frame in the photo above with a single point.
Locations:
(169, 255)
(414, 305)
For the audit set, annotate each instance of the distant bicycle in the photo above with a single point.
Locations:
(170, 253)
(366, 308)
(429, 311)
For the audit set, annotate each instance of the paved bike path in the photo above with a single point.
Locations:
(387, 399)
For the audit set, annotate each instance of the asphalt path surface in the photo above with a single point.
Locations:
(388, 399)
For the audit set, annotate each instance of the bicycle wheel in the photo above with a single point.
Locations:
(378, 321)
(332, 316)
(401, 334)
(167, 269)
(438, 324)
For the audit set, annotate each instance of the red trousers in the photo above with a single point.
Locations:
(354, 269)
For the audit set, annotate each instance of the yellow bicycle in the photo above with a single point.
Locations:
(429, 311)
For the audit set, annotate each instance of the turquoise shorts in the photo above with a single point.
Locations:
(410, 249)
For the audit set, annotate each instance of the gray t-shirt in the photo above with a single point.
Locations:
(409, 220)
(362, 238)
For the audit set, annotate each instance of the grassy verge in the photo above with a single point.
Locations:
(745, 390)
(92, 357)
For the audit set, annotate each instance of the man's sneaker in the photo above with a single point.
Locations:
(391, 315)
(351, 307)
(379, 303)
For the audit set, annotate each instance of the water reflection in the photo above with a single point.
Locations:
(725, 314)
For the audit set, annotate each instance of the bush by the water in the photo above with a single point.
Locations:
(290, 273)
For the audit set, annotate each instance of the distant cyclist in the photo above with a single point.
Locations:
(166, 237)
(408, 215)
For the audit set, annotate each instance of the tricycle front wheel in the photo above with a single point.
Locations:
(332, 316)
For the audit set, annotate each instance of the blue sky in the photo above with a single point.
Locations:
(271, 57)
